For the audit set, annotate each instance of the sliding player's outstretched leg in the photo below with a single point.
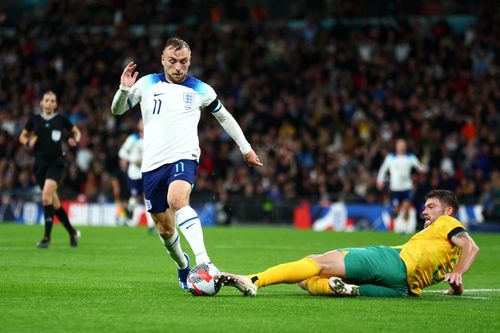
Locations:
(241, 282)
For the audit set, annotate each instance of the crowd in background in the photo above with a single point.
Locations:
(321, 104)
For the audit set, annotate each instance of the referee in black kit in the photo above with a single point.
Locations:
(43, 134)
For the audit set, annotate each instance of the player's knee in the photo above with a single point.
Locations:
(177, 203)
(317, 259)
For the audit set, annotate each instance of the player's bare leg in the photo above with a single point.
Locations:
(330, 263)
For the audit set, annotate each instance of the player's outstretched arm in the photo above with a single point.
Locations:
(467, 257)
(227, 121)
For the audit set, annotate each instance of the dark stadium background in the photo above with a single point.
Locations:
(320, 88)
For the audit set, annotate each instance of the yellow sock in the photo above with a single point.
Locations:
(318, 285)
(292, 272)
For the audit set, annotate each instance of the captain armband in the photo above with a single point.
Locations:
(455, 231)
(214, 106)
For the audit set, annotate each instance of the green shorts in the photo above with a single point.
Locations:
(378, 270)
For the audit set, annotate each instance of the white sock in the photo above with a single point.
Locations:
(149, 220)
(173, 246)
(190, 225)
(131, 204)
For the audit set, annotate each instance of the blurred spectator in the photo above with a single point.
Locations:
(320, 102)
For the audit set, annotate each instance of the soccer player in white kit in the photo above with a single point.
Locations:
(400, 165)
(171, 104)
(131, 153)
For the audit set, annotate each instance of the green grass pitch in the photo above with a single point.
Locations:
(121, 280)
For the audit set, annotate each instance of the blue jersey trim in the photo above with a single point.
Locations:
(190, 81)
(157, 77)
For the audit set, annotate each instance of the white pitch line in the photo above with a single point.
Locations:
(467, 290)
(461, 296)
(474, 297)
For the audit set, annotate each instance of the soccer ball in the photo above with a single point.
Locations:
(203, 278)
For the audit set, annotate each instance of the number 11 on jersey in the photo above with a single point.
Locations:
(157, 106)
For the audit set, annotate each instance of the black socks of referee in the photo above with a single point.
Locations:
(63, 217)
(48, 214)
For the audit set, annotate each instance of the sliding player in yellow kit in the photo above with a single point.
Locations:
(443, 250)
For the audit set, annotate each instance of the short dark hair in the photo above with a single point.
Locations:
(448, 198)
(177, 44)
(49, 92)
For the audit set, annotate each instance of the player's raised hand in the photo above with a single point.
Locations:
(252, 159)
(128, 76)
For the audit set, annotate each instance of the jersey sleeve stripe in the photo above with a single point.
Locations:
(217, 109)
(454, 232)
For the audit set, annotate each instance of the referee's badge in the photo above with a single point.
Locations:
(56, 135)
(188, 99)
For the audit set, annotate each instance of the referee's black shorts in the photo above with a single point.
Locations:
(51, 169)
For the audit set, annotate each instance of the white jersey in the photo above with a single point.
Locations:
(399, 167)
(131, 151)
(171, 113)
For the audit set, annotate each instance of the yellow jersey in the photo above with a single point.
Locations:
(430, 254)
